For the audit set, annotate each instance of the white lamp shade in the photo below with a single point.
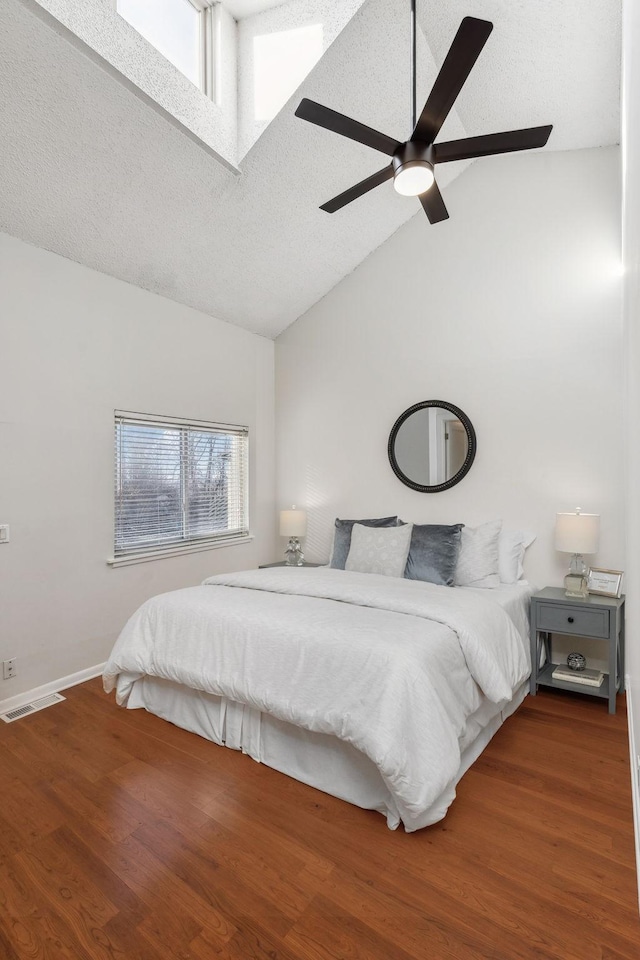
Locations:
(577, 532)
(293, 523)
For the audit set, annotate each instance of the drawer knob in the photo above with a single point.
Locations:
(570, 619)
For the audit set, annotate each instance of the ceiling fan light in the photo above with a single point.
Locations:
(413, 178)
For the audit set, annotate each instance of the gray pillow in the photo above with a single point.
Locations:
(342, 537)
(433, 554)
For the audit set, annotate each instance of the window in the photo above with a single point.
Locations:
(281, 61)
(183, 31)
(179, 484)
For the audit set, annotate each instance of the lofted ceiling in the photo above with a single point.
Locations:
(89, 171)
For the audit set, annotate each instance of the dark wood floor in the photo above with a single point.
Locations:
(124, 837)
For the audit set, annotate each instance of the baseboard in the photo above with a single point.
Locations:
(635, 773)
(47, 688)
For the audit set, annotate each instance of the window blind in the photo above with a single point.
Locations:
(178, 482)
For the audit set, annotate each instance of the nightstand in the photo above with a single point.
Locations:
(283, 563)
(597, 618)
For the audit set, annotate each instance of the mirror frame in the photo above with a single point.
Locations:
(471, 451)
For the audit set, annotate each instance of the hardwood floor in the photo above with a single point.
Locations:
(124, 838)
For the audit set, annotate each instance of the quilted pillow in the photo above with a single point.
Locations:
(433, 554)
(478, 563)
(381, 550)
(342, 537)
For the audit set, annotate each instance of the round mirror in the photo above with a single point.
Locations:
(432, 446)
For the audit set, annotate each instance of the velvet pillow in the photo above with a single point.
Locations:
(381, 550)
(342, 537)
(433, 554)
(478, 564)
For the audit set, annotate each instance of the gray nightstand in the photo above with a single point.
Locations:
(599, 618)
(283, 563)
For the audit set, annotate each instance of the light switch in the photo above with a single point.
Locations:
(4, 533)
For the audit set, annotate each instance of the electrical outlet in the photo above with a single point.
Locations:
(8, 669)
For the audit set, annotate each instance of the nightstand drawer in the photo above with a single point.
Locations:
(585, 623)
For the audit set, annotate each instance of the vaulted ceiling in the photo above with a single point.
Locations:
(89, 171)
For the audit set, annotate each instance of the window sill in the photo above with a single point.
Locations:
(128, 559)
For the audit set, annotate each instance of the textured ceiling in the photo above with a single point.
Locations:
(90, 172)
(546, 61)
(247, 8)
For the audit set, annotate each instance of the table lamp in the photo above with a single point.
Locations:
(293, 524)
(577, 533)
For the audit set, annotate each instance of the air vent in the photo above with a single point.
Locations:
(33, 707)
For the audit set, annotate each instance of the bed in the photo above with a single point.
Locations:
(381, 691)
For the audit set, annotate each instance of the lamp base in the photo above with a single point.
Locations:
(293, 555)
(575, 585)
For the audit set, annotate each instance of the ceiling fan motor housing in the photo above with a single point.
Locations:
(413, 153)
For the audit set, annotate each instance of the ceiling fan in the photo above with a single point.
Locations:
(412, 162)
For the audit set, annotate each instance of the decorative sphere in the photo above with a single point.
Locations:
(576, 661)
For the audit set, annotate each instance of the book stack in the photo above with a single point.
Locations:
(590, 678)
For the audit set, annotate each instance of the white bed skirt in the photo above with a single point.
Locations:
(319, 760)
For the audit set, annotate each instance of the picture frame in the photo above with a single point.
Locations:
(604, 583)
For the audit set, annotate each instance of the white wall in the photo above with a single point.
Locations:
(75, 345)
(512, 311)
(631, 254)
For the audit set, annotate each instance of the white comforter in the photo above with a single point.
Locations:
(391, 666)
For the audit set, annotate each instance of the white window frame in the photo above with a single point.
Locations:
(210, 46)
(131, 555)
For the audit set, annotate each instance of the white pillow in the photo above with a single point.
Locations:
(511, 547)
(478, 563)
(379, 549)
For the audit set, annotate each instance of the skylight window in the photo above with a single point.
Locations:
(181, 30)
(281, 61)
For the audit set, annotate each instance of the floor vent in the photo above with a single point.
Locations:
(33, 707)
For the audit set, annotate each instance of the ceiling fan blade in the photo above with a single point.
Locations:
(464, 51)
(358, 190)
(346, 127)
(491, 143)
(433, 204)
